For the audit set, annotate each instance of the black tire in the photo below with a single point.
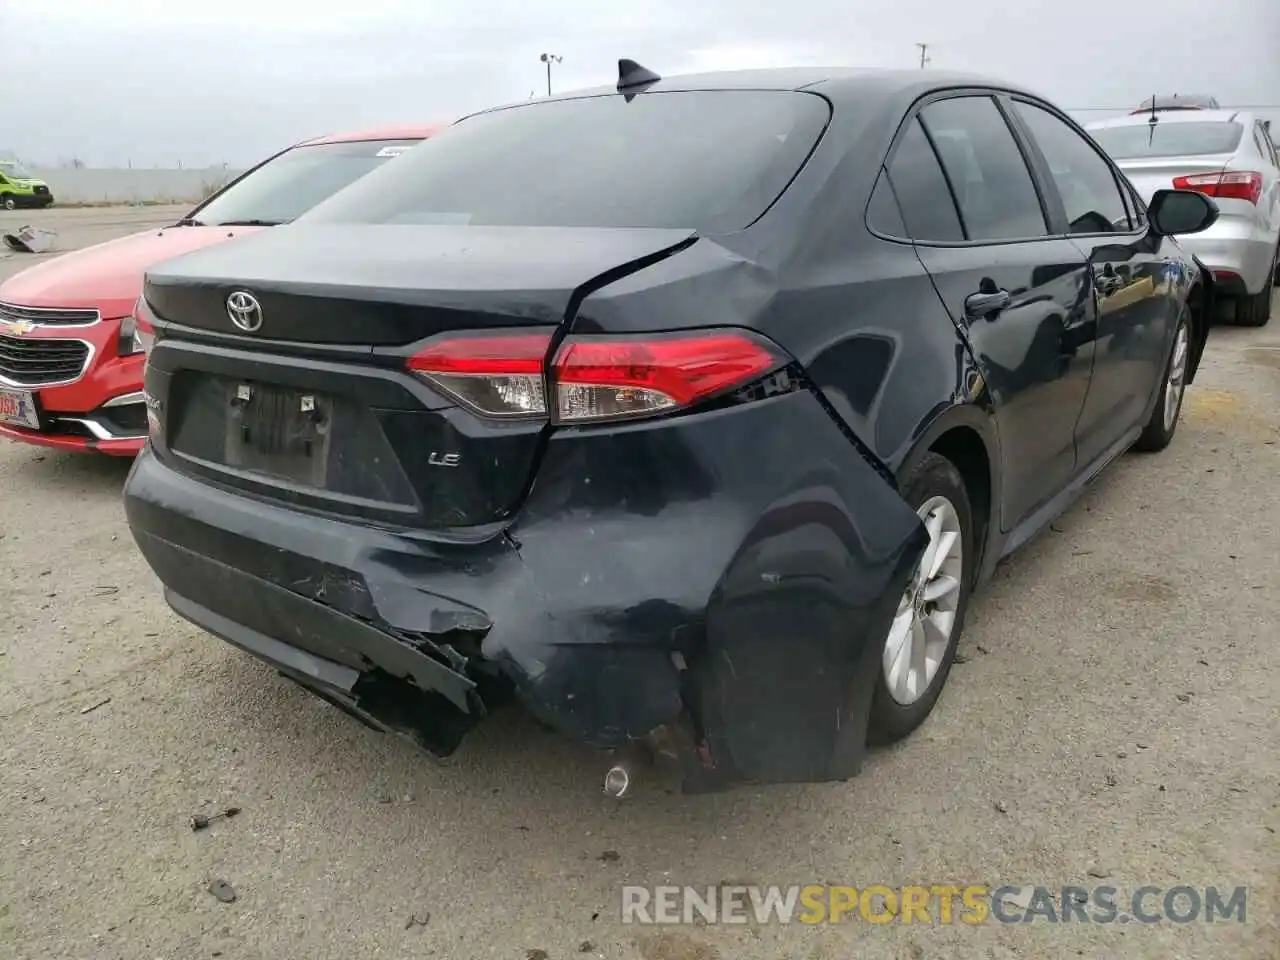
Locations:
(1157, 434)
(9, 203)
(1254, 310)
(932, 476)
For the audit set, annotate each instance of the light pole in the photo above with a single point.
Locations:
(548, 59)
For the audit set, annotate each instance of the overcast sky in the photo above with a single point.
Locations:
(156, 82)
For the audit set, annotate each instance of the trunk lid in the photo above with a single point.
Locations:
(1158, 173)
(316, 406)
(385, 285)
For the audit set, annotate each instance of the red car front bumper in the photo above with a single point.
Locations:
(74, 444)
(86, 396)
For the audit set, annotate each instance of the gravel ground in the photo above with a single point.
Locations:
(1117, 710)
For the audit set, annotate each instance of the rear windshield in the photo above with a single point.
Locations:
(1179, 139)
(712, 161)
(287, 186)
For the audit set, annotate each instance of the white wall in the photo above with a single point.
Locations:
(86, 185)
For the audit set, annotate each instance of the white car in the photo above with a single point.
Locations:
(1227, 155)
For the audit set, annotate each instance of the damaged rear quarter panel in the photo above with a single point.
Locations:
(755, 541)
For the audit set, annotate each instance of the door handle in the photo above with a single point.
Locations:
(981, 305)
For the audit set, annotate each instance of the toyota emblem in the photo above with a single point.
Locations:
(245, 311)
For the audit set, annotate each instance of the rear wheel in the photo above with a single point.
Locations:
(920, 646)
(1164, 418)
(1254, 310)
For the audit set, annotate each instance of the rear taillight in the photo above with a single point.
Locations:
(1228, 185)
(606, 378)
(592, 378)
(495, 375)
(137, 332)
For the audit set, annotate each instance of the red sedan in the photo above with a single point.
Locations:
(70, 364)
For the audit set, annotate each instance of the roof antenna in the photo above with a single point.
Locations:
(1151, 123)
(633, 78)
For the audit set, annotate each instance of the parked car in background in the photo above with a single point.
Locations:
(688, 411)
(1178, 101)
(70, 364)
(18, 188)
(1224, 154)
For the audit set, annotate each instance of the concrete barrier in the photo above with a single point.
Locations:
(86, 185)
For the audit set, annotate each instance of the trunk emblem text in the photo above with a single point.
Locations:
(444, 459)
(245, 311)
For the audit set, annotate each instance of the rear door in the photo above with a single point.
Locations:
(1018, 295)
(1135, 312)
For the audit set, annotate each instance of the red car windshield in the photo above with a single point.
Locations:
(287, 186)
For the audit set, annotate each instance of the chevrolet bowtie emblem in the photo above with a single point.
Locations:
(18, 328)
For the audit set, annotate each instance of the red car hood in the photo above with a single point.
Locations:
(108, 276)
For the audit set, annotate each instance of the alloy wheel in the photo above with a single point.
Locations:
(920, 634)
(1177, 378)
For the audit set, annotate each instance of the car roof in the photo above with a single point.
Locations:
(402, 132)
(1174, 116)
(836, 83)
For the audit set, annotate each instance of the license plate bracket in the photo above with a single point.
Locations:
(18, 408)
(283, 433)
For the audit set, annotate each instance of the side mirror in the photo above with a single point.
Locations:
(1176, 212)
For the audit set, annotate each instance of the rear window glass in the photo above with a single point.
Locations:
(287, 186)
(1175, 139)
(712, 161)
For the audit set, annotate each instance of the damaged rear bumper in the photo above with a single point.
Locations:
(718, 585)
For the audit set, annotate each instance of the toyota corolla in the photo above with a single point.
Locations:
(689, 411)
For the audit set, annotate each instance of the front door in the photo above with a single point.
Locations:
(1134, 305)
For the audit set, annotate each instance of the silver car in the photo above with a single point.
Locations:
(1228, 155)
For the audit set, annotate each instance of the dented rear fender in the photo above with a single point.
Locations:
(735, 571)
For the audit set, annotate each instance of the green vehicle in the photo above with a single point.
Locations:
(19, 189)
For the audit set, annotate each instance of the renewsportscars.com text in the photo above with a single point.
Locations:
(940, 903)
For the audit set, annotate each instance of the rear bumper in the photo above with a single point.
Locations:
(1237, 254)
(715, 583)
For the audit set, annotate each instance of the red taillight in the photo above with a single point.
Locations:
(594, 378)
(137, 332)
(611, 378)
(498, 375)
(1228, 185)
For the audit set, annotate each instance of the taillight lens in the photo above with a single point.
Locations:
(1228, 185)
(495, 375)
(613, 378)
(137, 332)
(594, 378)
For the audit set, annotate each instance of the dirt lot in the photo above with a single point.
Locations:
(1117, 709)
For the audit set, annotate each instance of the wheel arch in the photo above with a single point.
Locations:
(1201, 302)
(965, 434)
